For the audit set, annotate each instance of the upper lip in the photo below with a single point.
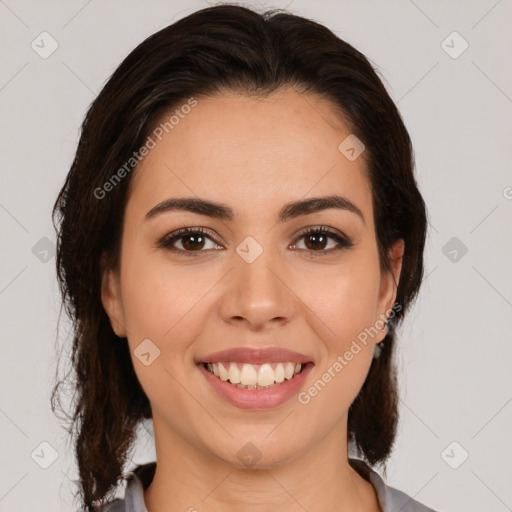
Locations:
(256, 356)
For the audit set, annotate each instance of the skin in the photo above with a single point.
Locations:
(254, 155)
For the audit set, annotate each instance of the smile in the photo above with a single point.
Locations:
(256, 395)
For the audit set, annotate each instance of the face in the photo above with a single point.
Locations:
(251, 278)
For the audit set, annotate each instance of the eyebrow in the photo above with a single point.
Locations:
(224, 212)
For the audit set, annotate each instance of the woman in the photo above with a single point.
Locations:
(239, 235)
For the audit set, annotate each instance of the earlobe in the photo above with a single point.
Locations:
(111, 300)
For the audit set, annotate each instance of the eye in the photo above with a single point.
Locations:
(192, 240)
(316, 240)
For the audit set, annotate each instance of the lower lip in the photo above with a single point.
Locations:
(257, 398)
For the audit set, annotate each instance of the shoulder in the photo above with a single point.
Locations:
(133, 501)
(390, 499)
(394, 499)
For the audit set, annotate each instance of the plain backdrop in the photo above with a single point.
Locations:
(447, 65)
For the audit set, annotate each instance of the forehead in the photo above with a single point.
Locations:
(253, 153)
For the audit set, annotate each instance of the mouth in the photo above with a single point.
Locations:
(255, 386)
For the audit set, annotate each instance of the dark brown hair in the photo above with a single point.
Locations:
(216, 49)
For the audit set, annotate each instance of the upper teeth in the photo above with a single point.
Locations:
(248, 374)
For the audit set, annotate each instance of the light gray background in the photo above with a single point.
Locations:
(455, 345)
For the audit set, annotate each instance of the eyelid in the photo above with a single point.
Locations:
(323, 229)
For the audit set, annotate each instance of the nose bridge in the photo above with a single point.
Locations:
(257, 291)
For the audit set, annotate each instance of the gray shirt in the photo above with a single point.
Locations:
(390, 499)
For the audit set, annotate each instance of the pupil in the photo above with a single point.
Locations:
(196, 238)
(317, 237)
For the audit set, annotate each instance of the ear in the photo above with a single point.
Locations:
(111, 300)
(389, 281)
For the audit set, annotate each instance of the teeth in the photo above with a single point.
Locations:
(248, 375)
(223, 374)
(234, 374)
(265, 375)
(279, 373)
(254, 376)
(288, 370)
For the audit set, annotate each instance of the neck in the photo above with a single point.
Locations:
(190, 479)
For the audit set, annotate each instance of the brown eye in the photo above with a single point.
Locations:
(192, 240)
(317, 239)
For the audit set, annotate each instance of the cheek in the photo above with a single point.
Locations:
(347, 310)
(165, 304)
(345, 299)
(345, 302)
(159, 300)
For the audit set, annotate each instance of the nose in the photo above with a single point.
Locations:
(258, 293)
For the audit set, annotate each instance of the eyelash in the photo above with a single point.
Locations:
(167, 241)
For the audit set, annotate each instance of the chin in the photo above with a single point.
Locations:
(257, 451)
